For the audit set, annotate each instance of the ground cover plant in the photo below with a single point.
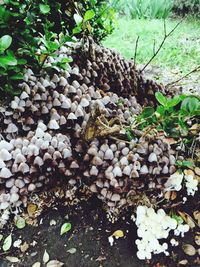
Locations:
(137, 9)
(86, 127)
(181, 50)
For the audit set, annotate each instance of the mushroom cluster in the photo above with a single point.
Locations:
(43, 131)
(153, 226)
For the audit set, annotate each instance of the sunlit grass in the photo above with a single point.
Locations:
(181, 50)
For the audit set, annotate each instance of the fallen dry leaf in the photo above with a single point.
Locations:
(183, 215)
(31, 209)
(72, 250)
(170, 195)
(45, 257)
(196, 215)
(118, 233)
(187, 218)
(170, 141)
(197, 170)
(183, 262)
(12, 259)
(24, 247)
(197, 239)
(54, 263)
(189, 172)
(189, 249)
(101, 258)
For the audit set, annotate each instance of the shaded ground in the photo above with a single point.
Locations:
(189, 84)
(88, 236)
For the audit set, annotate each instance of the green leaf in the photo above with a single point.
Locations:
(21, 61)
(147, 112)
(161, 98)
(7, 243)
(190, 104)
(66, 227)
(89, 14)
(77, 30)
(160, 110)
(185, 163)
(78, 19)
(20, 222)
(44, 8)
(17, 76)
(177, 218)
(7, 61)
(5, 42)
(173, 101)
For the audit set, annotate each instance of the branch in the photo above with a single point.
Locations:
(183, 77)
(166, 35)
(136, 47)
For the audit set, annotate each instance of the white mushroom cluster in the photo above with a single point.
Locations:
(191, 184)
(174, 182)
(152, 227)
(177, 180)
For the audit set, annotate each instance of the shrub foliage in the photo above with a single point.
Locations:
(33, 30)
(184, 7)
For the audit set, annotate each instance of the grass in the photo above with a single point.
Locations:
(181, 50)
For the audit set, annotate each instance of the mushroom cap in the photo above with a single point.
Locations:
(7, 145)
(12, 128)
(5, 155)
(84, 102)
(53, 125)
(71, 116)
(5, 173)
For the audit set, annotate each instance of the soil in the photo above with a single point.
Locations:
(89, 236)
(189, 84)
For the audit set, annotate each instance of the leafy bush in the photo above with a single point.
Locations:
(37, 29)
(144, 8)
(171, 115)
(184, 7)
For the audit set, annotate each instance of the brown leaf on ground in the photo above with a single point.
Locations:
(54, 263)
(12, 259)
(189, 249)
(24, 247)
(196, 215)
(183, 262)
(31, 209)
(197, 239)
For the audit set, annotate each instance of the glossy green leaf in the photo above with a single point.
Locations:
(177, 218)
(44, 8)
(89, 14)
(7, 61)
(173, 101)
(5, 42)
(160, 110)
(66, 227)
(161, 98)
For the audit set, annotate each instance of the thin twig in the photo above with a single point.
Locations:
(183, 77)
(136, 47)
(154, 46)
(166, 35)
